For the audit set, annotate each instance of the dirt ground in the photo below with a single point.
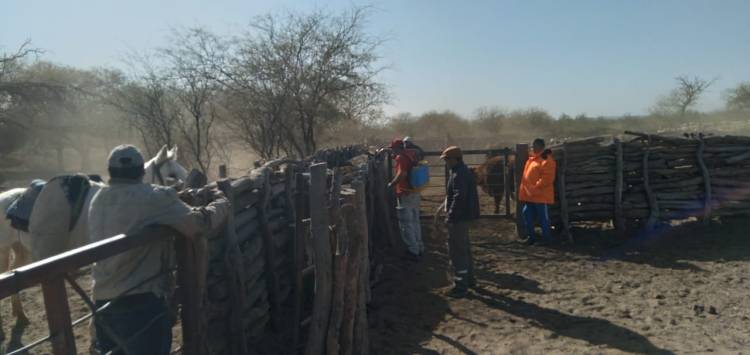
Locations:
(679, 291)
(17, 335)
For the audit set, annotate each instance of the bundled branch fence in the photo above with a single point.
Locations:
(301, 252)
(650, 179)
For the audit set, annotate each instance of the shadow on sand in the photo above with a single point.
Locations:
(592, 330)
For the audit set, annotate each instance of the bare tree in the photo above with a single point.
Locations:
(196, 90)
(147, 104)
(290, 79)
(684, 97)
(739, 98)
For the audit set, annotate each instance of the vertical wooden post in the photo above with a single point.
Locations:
(653, 204)
(58, 317)
(222, 171)
(707, 199)
(561, 172)
(272, 278)
(300, 229)
(506, 182)
(361, 344)
(522, 154)
(233, 265)
(619, 182)
(322, 250)
(189, 260)
(389, 164)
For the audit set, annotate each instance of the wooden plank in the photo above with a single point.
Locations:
(437, 153)
(58, 316)
(322, 254)
(13, 281)
(522, 154)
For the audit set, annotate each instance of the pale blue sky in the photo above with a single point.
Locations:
(595, 57)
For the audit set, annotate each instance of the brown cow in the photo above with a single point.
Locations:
(489, 176)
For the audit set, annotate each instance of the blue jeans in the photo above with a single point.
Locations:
(532, 211)
(408, 222)
(128, 316)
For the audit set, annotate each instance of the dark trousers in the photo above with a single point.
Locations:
(126, 318)
(459, 249)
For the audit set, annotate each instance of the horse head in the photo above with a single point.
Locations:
(164, 169)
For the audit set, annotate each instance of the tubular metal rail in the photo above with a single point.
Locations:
(507, 179)
(53, 272)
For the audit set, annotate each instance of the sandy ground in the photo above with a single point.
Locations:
(684, 292)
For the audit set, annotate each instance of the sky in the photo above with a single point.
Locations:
(596, 57)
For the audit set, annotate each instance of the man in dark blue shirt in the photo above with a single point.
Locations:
(462, 207)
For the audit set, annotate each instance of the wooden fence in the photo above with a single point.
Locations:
(290, 272)
(52, 273)
(651, 179)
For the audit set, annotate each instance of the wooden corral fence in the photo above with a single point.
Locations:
(651, 179)
(300, 255)
(290, 271)
(53, 273)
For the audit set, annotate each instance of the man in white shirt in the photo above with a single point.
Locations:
(138, 281)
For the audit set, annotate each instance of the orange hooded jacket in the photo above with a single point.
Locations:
(538, 180)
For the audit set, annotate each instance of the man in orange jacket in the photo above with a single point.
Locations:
(537, 190)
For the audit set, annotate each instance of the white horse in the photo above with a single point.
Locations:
(50, 232)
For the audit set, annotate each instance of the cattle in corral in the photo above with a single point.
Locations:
(490, 176)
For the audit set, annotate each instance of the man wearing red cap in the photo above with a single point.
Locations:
(408, 200)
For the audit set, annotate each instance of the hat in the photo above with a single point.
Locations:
(125, 156)
(452, 152)
(397, 143)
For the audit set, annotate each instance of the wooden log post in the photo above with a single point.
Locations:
(58, 317)
(233, 269)
(271, 276)
(506, 182)
(619, 219)
(561, 173)
(300, 229)
(522, 154)
(340, 262)
(653, 204)
(351, 285)
(322, 256)
(707, 198)
(192, 264)
(359, 230)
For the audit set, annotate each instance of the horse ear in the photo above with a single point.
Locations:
(172, 154)
(162, 154)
